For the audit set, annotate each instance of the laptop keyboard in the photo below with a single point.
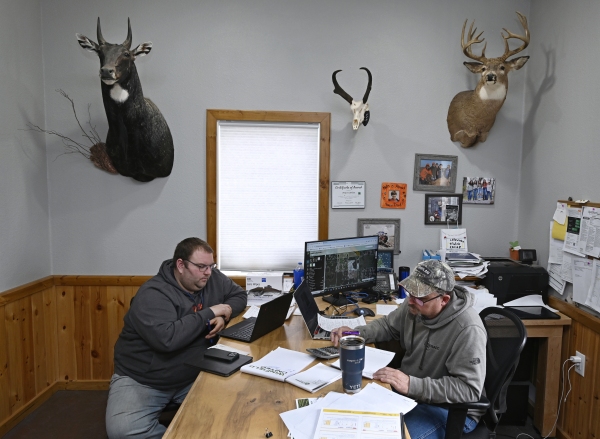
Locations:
(244, 333)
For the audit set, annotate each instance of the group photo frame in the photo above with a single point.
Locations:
(435, 173)
(443, 209)
(388, 230)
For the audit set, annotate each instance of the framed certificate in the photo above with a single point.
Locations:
(348, 194)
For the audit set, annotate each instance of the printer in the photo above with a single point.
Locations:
(508, 280)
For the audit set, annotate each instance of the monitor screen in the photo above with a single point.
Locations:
(385, 261)
(339, 265)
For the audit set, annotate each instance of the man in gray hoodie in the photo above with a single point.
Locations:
(445, 343)
(174, 317)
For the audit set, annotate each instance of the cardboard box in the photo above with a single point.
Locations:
(272, 278)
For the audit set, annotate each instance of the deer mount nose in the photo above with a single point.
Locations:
(107, 72)
(491, 77)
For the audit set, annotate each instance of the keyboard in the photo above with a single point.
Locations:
(244, 333)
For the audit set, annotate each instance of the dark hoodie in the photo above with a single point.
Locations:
(162, 331)
(445, 356)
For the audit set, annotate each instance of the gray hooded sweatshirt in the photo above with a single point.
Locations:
(162, 331)
(445, 356)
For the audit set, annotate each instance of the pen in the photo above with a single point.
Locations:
(351, 333)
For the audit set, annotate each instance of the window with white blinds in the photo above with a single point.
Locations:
(267, 193)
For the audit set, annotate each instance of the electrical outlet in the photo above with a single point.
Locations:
(580, 367)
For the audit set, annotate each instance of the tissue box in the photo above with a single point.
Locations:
(272, 278)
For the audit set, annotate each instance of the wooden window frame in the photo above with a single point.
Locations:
(212, 119)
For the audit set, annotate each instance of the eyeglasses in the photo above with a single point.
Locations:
(202, 267)
(423, 302)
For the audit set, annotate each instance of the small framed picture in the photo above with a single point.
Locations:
(443, 209)
(435, 173)
(479, 190)
(388, 230)
(348, 194)
(393, 195)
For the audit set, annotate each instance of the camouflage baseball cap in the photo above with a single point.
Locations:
(429, 277)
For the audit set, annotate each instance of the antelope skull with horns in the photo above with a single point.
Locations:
(472, 113)
(360, 109)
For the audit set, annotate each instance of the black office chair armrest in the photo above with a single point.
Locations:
(457, 415)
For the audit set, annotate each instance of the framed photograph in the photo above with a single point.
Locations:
(348, 194)
(479, 190)
(443, 209)
(435, 173)
(388, 230)
(393, 195)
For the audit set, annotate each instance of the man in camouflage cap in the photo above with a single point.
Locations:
(444, 340)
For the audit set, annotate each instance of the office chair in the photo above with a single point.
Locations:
(506, 338)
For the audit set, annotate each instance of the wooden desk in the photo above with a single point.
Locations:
(244, 405)
(547, 380)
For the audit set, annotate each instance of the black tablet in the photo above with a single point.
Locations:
(533, 312)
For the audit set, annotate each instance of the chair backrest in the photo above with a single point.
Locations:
(506, 338)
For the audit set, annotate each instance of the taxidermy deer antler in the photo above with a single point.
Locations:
(472, 113)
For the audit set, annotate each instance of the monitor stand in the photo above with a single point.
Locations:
(336, 299)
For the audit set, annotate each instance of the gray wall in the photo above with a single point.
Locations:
(273, 55)
(24, 229)
(560, 154)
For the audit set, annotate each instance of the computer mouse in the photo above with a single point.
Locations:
(364, 312)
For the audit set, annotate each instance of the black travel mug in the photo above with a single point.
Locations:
(403, 273)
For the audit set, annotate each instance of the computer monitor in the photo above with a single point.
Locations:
(385, 261)
(338, 265)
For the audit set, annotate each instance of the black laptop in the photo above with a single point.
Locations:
(309, 310)
(270, 317)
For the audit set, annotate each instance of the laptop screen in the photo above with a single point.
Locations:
(308, 307)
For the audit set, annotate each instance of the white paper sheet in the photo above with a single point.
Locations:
(593, 298)
(589, 236)
(566, 268)
(384, 310)
(531, 300)
(302, 422)
(560, 214)
(556, 249)
(331, 324)
(582, 278)
(555, 281)
(571, 243)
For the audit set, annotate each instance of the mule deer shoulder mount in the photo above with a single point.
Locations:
(139, 143)
(472, 113)
(360, 109)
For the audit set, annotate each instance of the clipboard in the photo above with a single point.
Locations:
(219, 367)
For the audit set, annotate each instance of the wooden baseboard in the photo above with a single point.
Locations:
(36, 402)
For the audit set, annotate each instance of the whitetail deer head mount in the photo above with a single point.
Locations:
(472, 113)
(360, 109)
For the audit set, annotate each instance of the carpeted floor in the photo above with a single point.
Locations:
(79, 414)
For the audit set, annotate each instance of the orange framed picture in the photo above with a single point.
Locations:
(393, 195)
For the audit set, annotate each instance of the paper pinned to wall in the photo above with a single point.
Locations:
(593, 298)
(560, 214)
(582, 278)
(573, 222)
(589, 236)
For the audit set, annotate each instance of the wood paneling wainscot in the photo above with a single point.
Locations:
(58, 333)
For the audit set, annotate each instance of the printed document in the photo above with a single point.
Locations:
(593, 298)
(571, 244)
(328, 324)
(279, 364)
(356, 424)
(589, 236)
(582, 279)
(315, 378)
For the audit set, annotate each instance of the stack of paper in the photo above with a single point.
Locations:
(303, 422)
(483, 298)
(465, 264)
(315, 378)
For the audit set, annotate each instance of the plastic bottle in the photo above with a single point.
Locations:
(298, 275)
